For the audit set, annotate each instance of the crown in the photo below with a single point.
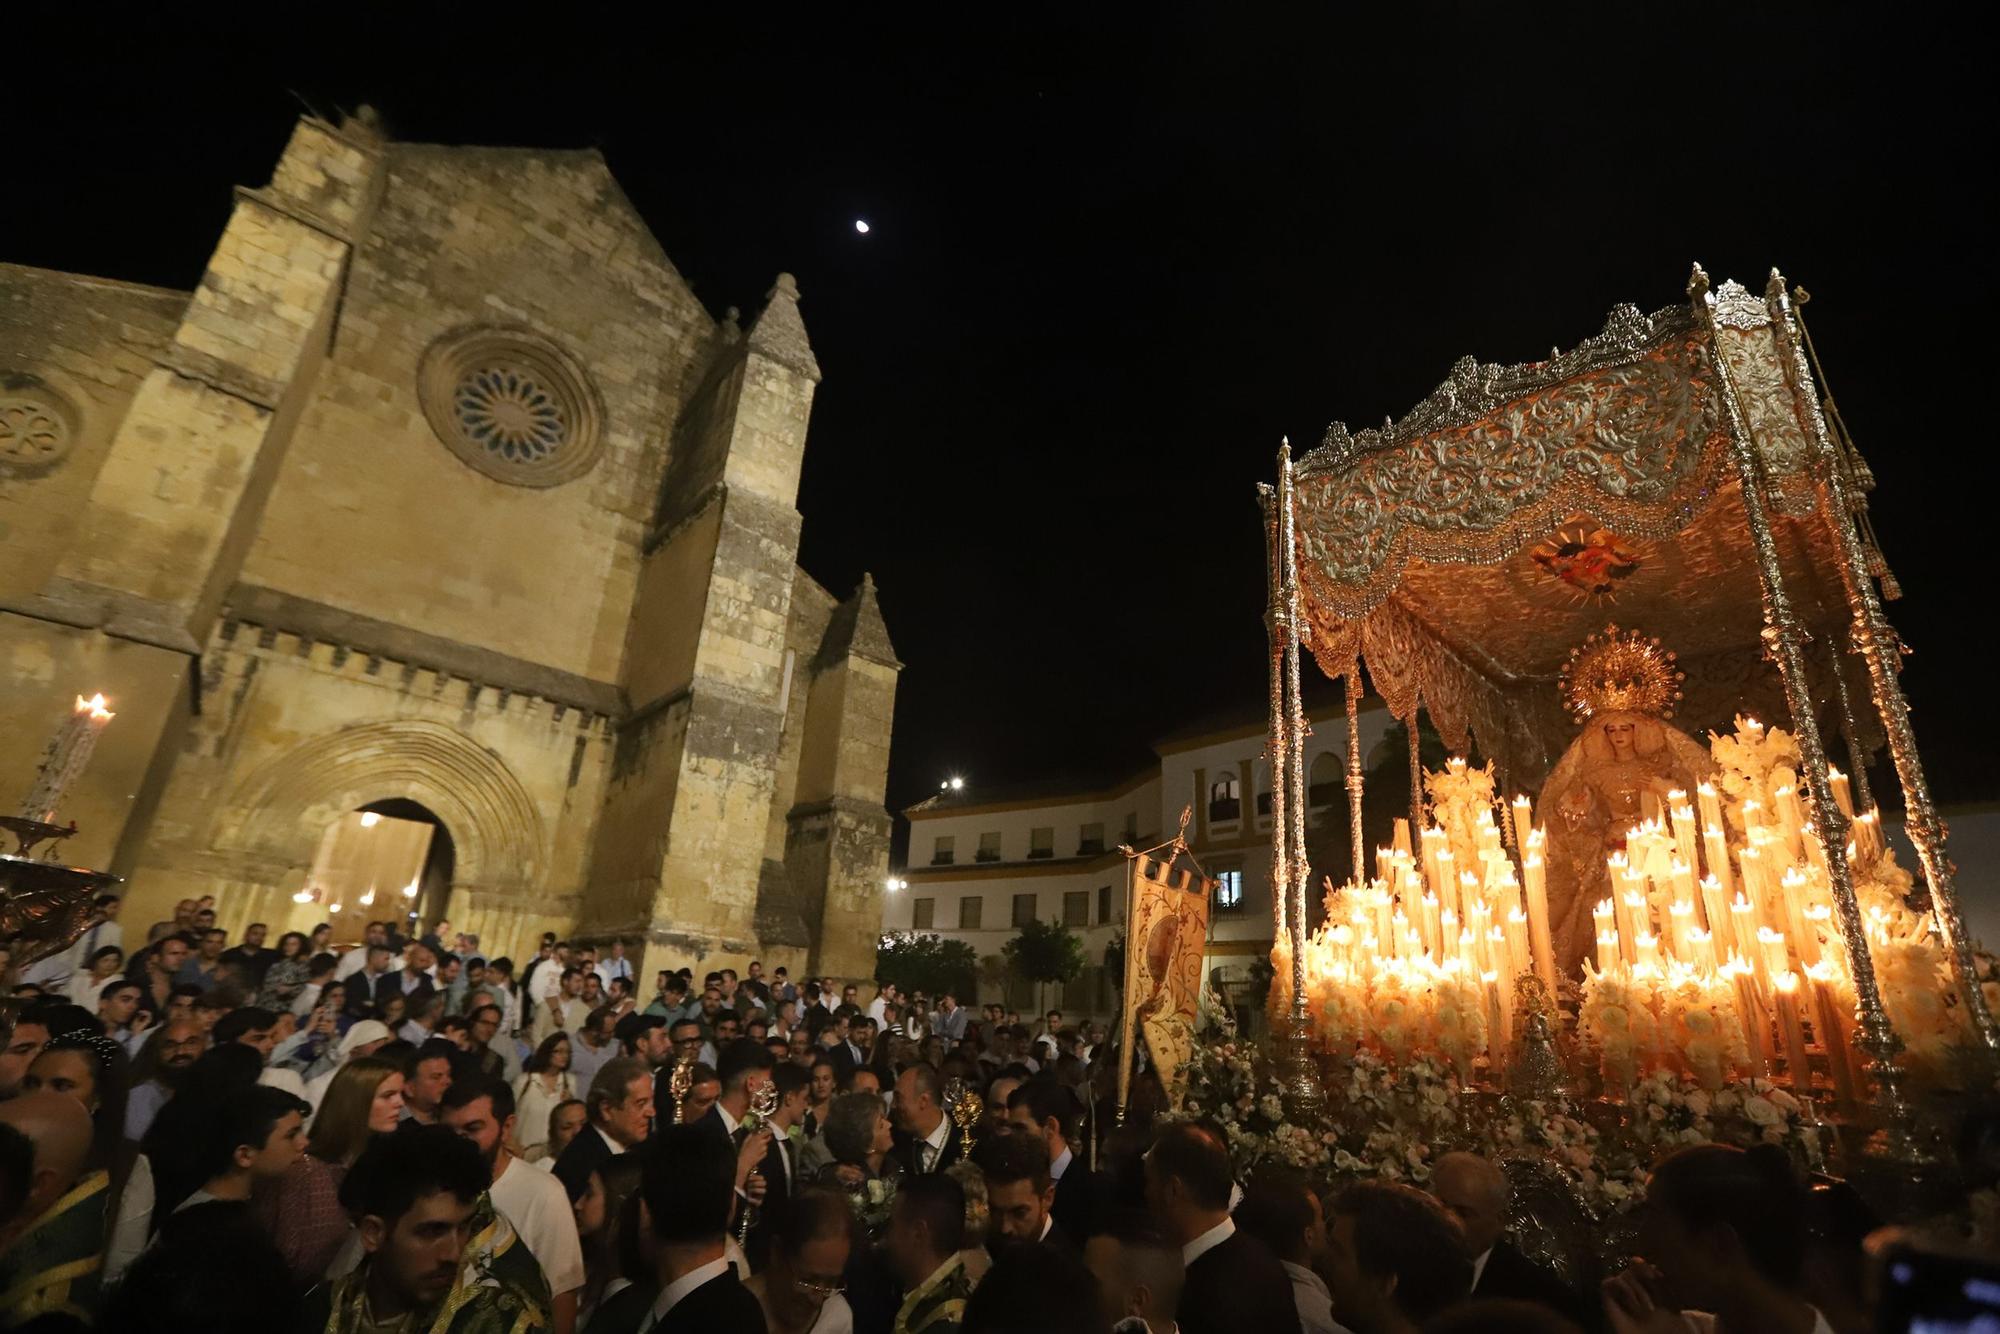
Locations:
(1620, 671)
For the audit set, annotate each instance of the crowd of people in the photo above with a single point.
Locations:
(409, 1135)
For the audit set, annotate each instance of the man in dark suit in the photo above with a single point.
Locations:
(619, 1112)
(1475, 1192)
(746, 1068)
(927, 1140)
(412, 981)
(1394, 1258)
(687, 1183)
(1019, 1194)
(1044, 1108)
(1234, 1284)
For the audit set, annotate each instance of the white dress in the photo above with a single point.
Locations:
(532, 1104)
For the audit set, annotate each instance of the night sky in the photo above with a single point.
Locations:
(1110, 265)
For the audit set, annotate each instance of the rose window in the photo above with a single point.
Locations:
(508, 413)
(512, 404)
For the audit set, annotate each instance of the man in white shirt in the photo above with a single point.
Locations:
(482, 1110)
(885, 996)
(614, 965)
(590, 1046)
(554, 985)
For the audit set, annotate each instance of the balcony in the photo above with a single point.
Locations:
(1225, 809)
(986, 855)
(1090, 847)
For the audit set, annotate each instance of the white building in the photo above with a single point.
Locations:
(981, 864)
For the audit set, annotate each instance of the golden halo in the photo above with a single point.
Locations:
(1620, 671)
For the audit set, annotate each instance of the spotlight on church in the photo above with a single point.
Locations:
(861, 225)
(958, 784)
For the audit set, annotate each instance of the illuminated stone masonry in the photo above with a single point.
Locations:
(442, 498)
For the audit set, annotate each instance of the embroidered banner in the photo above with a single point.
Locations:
(1164, 944)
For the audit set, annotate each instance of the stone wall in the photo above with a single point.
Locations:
(317, 539)
(513, 239)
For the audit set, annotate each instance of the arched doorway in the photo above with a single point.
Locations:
(389, 860)
(433, 880)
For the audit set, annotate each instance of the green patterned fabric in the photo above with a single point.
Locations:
(937, 1305)
(57, 1264)
(500, 1290)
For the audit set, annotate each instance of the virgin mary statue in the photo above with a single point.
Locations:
(1617, 773)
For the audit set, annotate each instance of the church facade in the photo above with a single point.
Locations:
(442, 493)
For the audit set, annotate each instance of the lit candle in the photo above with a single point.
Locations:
(1785, 986)
(1701, 949)
(1647, 946)
(1633, 922)
(1680, 875)
(1715, 900)
(1604, 918)
(65, 757)
(1535, 873)
(1791, 819)
(1756, 1024)
(1818, 918)
(1772, 944)
(1680, 920)
(1684, 828)
(1710, 804)
(1832, 1029)
(1519, 959)
(1868, 836)
(1607, 951)
(1524, 821)
(1751, 860)
(1428, 917)
(1401, 841)
(1843, 797)
(1716, 845)
(1499, 1028)
(1742, 923)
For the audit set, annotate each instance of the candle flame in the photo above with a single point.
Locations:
(1786, 982)
(94, 706)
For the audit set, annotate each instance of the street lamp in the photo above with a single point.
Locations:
(895, 883)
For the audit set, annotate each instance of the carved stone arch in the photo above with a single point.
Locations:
(281, 809)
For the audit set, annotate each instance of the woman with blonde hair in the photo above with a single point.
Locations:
(544, 1085)
(301, 1210)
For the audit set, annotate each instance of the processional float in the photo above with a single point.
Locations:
(1681, 474)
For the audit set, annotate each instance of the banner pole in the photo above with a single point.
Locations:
(1126, 1055)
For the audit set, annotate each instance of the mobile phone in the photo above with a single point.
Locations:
(1927, 1293)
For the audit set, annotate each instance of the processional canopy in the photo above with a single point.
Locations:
(1464, 551)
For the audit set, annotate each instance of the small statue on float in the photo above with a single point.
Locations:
(1622, 686)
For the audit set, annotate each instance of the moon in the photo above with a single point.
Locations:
(861, 225)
